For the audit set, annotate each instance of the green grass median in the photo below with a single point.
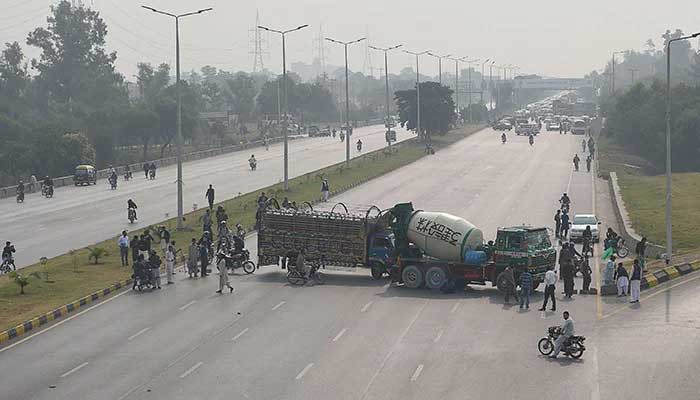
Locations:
(72, 276)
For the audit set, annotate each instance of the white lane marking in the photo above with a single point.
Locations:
(240, 334)
(366, 306)
(61, 322)
(304, 371)
(339, 335)
(595, 393)
(392, 350)
(568, 185)
(439, 335)
(455, 307)
(280, 304)
(135, 335)
(417, 373)
(74, 369)
(187, 305)
(191, 370)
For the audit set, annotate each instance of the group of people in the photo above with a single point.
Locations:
(627, 283)
(149, 170)
(561, 217)
(145, 260)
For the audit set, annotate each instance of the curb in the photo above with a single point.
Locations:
(669, 273)
(43, 319)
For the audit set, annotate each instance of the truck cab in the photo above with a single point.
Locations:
(380, 252)
(522, 247)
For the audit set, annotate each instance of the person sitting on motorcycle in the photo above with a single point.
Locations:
(113, 178)
(127, 171)
(611, 238)
(7, 254)
(20, 187)
(140, 271)
(359, 144)
(565, 200)
(503, 137)
(131, 205)
(587, 238)
(48, 182)
(567, 331)
(112, 171)
(252, 161)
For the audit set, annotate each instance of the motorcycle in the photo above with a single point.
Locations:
(20, 196)
(238, 260)
(531, 140)
(564, 207)
(131, 215)
(359, 146)
(127, 175)
(47, 191)
(342, 137)
(503, 138)
(152, 174)
(253, 165)
(572, 347)
(619, 247)
(113, 182)
(296, 277)
(7, 266)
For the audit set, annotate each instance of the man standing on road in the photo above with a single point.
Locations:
(525, 288)
(146, 167)
(550, 280)
(567, 331)
(170, 256)
(124, 248)
(623, 280)
(557, 223)
(206, 221)
(510, 285)
(204, 246)
(134, 245)
(635, 282)
(210, 196)
(588, 163)
(325, 189)
(223, 274)
(564, 233)
(566, 269)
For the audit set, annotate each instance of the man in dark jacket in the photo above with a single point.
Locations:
(635, 282)
(566, 269)
(210, 196)
(564, 225)
(639, 250)
(557, 223)
(134, 246)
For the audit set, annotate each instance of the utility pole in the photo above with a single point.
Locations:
(386, 82)
(632, 71)
(178, 89)
(469, 77)
(284, 108)
(613, 70)
(418, 131)
(348, 130)
(669, 195)
(481, 100)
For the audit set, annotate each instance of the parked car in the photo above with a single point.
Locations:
(313, 130)
(579, 224)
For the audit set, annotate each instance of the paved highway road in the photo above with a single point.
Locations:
(80, 216)
(356, 338)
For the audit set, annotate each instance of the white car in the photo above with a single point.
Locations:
(579, 224)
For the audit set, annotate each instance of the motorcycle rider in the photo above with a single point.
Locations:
(127, 172)
(587, 238)
(359, 145)
(503, 137)
(130, 205)
(531, 139)
(252, 162)
(611, 238)
(7, 255)
(565, 200)
(576, 161)
(588, 163)
(583, 146)
(567, 331)
(20, 191)
(113, 179)
(47, 185)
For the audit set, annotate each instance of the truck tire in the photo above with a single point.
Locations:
(412, 277)
(378, 271)
(435, 277)
(502, 282)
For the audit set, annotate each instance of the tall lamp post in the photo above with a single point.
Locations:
(178, 138)
(386, 81)
(284, 107)
(613, 70)
(482, 80)
(469, 78)
(417, 88)
(347, 97)
(457, 60)
(439, 64)
(669, 234)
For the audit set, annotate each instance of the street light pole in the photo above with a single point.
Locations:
(284, 108)
(439, 64)
(457, 60)
(669, 233)
(386, 82)
(469, 78)
(347, 98)
(178, 137)
(481, 100)
(418, 132)
(613, 70)
(491, 84)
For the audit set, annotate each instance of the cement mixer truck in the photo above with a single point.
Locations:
(436, 250)
(416, 248)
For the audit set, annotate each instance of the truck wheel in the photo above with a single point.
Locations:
(502, 282)
(378, 271)
(412, 277)
(435, 278)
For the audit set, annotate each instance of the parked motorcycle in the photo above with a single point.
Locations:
(619, 247)
(238, 260)
(572, 347)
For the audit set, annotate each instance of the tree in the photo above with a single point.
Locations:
(437, 108)
(13, 71)
(96, 253)
(22, 280)
(242, 95)
(141, 123)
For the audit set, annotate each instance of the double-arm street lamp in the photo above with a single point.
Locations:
(669, 235)
(418, 132)
(439, 64)
(347, 97)
(457, 60)
(386, 50)
(284, 106)
(178, 138)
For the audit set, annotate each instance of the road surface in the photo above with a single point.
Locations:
(356, 338)
(80, 216)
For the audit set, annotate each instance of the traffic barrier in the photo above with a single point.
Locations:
(43, 319)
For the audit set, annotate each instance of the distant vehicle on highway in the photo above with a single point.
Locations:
(85, 175)
(579, 224)
(553, 126)
(325, 131)
(313, 130)
(502, 125)
(579, 127)
(526, 129)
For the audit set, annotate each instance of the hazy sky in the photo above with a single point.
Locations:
(546, 37)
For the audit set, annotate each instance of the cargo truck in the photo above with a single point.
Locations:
(416, 248)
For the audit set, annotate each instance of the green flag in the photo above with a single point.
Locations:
(607, 253)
